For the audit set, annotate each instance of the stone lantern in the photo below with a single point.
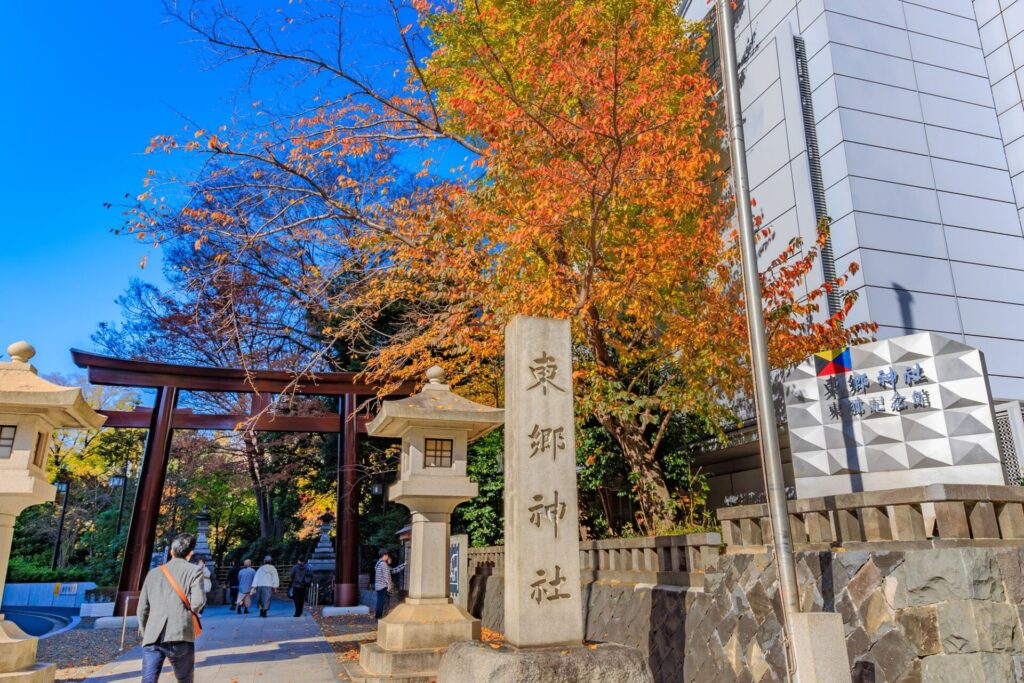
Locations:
(435, 427)
(30, 410)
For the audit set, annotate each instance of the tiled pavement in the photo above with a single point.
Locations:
(245, 649)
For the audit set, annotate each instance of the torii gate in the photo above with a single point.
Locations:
(164, 418)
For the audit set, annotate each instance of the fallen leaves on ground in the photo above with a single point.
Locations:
(346, 635)
(81, 651)
(489, 636)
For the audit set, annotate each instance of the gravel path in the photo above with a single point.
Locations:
(81, 651)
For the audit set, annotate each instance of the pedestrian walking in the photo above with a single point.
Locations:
(207, 581)
(382, 582)
(168, 605)
(245, 590)
(302, 577)
(232, 580)
(265, 583)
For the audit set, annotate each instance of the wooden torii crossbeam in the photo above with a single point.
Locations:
(165, 416)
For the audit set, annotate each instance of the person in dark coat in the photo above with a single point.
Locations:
(165, 620)
(233, 585)
(302, 579)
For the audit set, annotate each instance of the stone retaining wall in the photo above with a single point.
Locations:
(651, 618)
(933, 615)
(948, 614)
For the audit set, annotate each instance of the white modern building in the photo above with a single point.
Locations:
(902, 120)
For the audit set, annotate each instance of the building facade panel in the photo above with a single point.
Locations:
(919, 123)
(901, 235)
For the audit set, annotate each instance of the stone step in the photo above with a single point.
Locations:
(357, 674)
(38, 673)
(375, 660)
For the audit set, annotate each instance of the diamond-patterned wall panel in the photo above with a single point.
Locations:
(908, 404)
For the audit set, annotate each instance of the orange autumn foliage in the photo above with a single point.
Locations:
(592, 190)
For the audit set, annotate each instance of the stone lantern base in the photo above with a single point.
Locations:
(411, 641)
(18, 657)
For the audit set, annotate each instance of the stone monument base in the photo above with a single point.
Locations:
(424, 624)
(472, 662)
(411, 641)
(377, 665)
(18, 657)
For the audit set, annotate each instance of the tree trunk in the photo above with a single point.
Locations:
(264, 508)
(650, 487)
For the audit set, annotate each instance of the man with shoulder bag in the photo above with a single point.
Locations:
(171, 599)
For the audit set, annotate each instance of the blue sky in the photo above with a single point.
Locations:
(85, 85)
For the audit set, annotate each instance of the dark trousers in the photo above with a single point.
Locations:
(382, 602)
(181, 654)
(299, 598)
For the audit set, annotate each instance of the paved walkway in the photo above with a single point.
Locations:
(245, 649)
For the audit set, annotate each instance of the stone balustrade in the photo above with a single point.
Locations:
(665, 560)
(915, 517)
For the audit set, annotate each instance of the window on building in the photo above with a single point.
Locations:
(6, 440)
(437, 453)
(39, 460)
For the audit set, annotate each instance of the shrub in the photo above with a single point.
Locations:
(20, 570)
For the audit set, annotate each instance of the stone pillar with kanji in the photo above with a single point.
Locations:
(542, 588)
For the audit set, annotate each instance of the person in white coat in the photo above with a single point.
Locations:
(265, 583)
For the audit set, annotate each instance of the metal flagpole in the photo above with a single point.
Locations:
(767, 427)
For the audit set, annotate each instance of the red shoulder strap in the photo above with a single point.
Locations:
(196, 625)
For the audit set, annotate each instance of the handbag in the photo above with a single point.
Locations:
(197, 626)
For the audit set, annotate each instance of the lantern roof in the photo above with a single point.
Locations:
(435, 406)
(23, 391)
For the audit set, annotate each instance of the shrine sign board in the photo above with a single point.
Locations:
(906, 411)
(543, 604)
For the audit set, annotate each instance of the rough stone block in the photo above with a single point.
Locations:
(934, 576)
(969, 668)
(876, 615)
(893, 656)
(921, 627)
(967, 626)
(982, 571)
(1011, 570)
(857, 643)
(999, 627)
(864, 583)
(472, 662)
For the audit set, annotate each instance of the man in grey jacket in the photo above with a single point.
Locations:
(164, 619)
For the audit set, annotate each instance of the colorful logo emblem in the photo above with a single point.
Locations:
(833, 362)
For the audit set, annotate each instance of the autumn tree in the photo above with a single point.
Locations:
(547, 158)
(86, 460)
(245, 316)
